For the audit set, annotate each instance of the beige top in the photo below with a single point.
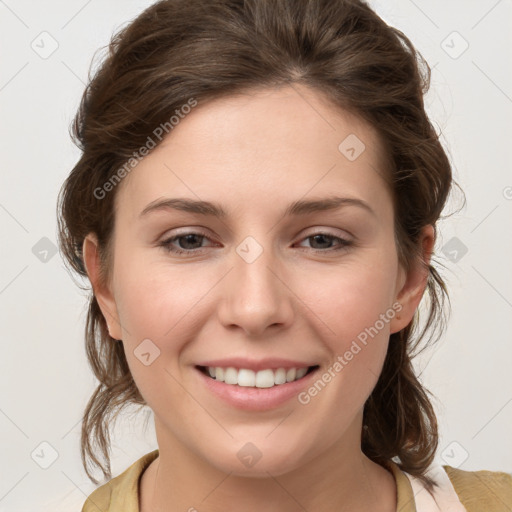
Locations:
(478, 491)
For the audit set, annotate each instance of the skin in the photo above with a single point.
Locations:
(254, 154)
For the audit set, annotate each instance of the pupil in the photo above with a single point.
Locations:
(188, 238)
(326, 239)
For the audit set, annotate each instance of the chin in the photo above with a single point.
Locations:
(249, 461)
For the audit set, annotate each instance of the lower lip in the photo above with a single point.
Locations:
(256, 399)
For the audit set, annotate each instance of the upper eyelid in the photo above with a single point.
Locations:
(319, 231)
(204, 232)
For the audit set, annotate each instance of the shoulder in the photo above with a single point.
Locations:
(482, 490)
(99, 499)
(121, 493)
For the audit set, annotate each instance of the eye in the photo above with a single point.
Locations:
(188, 242)
(324, 240)
(191, 242)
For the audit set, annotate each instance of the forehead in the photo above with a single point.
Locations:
(253, 148)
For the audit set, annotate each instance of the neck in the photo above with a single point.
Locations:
(341, 478)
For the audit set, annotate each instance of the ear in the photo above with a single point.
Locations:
(101, 290)
(411, 287)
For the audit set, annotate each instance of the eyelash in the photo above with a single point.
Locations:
(166, 244)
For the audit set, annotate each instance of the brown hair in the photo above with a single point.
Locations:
(205, 49)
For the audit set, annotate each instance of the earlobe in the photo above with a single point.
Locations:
(411, 287)
(104, 296)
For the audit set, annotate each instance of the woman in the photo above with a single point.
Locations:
(256, 209)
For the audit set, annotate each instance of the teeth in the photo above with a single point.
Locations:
(291, 374)
(231, 376)
(246, 378)
(280, 376)
(300, 373)
(261, 379)
(265, 379)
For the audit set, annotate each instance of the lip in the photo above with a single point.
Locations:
(272, 363)
(256, 399)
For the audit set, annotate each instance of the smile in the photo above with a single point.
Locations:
(266, 378)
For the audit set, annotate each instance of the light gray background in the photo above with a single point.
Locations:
(45, 378)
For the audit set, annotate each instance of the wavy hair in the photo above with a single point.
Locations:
(176, 50)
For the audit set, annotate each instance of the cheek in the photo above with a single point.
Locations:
(155, 307)
(157, 303)
(350, 299)
(339, 305)
(164, 302)
(354, 310)
(154, 300)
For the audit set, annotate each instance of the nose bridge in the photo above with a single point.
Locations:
(254, 296)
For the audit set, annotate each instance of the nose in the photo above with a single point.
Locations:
(255, 295)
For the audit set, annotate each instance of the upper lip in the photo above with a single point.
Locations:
(256, 365)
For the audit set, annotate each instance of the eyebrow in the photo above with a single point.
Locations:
(300, 207)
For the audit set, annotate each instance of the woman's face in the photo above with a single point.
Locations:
(275, 282)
